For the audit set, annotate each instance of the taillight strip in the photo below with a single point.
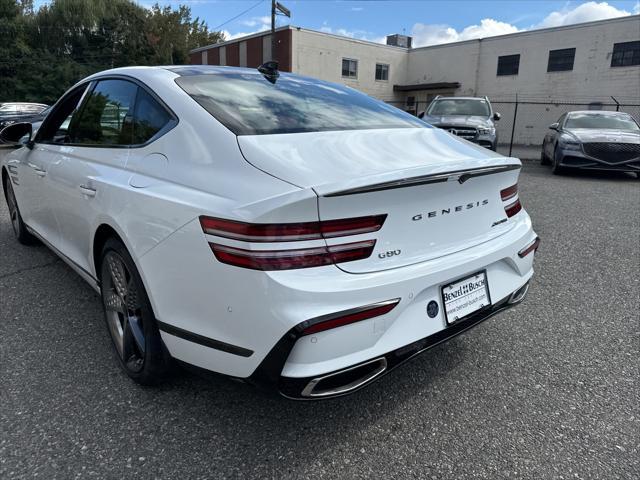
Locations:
(292, 258)
(509, 193)
(512, 209)
(291, 232)
(530, 247)
(346, 317)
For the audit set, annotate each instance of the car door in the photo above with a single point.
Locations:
(35, 193)
(90, 166)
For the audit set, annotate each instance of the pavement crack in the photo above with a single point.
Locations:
(26, 269)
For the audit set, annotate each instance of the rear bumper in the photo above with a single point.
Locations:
(239, 322)
(351, 379)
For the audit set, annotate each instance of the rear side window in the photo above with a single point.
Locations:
(249, 104)
(149, 118)
(106, 117)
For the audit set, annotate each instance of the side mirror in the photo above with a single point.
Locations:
(555, 126)
(17, 134)
(497, 116)
(421, 115)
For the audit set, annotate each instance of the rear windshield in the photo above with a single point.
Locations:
(476, 108)
(601, 121)
(248, 104)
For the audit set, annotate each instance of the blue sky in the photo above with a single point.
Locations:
(429, 21)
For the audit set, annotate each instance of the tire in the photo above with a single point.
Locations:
(19, 228)
(544, 160)
(555, 166)
(129, 317)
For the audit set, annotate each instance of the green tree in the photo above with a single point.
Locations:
(44, 52)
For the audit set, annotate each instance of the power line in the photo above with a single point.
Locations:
(237, 16)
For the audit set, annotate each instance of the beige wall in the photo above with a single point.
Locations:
(474, 64)
(320, 55)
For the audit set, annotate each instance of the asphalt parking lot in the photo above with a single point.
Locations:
(547, 390)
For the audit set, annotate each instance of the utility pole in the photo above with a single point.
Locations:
(273, 29)
(276, 9)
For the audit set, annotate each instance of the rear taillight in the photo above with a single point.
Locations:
(291, 232)
(350, 316)
(291, 258)
(508, 195)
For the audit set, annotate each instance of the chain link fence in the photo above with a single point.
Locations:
(524, 123)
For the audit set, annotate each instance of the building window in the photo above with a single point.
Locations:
(508, 64)
(382, 71)
(349, 68)
(561, 60)
(625, 54)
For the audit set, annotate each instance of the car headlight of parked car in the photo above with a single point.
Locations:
(487, 131)
(570, 144)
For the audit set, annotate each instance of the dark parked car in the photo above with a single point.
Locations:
(471, 118)
(594, 140)
(20, 112)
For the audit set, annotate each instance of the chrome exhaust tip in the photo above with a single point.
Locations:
(518, 295)
(346, 380)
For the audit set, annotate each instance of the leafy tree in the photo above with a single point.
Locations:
(44, 52)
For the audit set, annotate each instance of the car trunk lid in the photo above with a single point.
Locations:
(440, 194)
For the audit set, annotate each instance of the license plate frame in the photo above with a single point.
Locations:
(459, 283)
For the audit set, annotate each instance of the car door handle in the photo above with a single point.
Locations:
(88, 191)
(39, 171)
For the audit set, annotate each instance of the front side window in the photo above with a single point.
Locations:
(106, 118)
(601, 121)
(349, 68)
(625, 54)
(249, 104)
(508, 65)
(55, 128)
(382, 71)
(561, 60)
(451, 106)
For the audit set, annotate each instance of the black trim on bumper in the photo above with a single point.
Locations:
(267, 375)
(205, 341)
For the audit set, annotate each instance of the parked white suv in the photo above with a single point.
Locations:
(276, 228)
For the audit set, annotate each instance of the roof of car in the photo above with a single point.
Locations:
(460, 98)
(24, 103)
(597, 112)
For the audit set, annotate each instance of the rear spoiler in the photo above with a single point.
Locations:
(460, 176)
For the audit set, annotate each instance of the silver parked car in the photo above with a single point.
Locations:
(471, 118)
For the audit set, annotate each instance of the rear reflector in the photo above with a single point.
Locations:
(350, 316)
(290, 232)
(531, 247)
(292, 258)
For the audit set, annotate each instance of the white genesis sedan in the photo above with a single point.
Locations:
(275, 228)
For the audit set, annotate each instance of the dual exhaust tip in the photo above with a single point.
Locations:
(349, 379)
(346, 380)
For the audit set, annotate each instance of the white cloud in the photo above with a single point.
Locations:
(357, 34)
(255, 21)
(636, 8)
(357, 9)
(587, 12)
(433, 34)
